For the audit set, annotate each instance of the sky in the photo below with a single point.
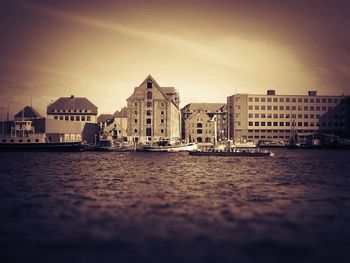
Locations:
(208, 50)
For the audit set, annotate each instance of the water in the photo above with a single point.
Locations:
(158, 207)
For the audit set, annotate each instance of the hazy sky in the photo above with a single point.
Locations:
(208, 50)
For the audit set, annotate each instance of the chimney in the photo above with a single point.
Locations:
(312, 93)
(271, 92)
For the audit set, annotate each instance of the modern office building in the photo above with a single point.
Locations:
(266, 117)
(204, 122)
(153, 112)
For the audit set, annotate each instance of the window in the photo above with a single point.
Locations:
(300, 100)
(269, 107)
(269, 123)
(324, 100)
(28, 140)
(275, 99)
(306, 108)
(149, 95)
(256, 99)
(135, 112)
(135, 120)
(20, 140)
(162, 121)
(250, 123)
(61, 118)
(263, 116)
(287, 107)
(66, 118)
(287, 99)
(330, 100)
(268, 99)
(312, 108)
(148, 113)
(199, 125)
(300, 116)
(300, 124)
(36, 140)
(294, 107)
(148, 131)
(306, 124)
(281, 123)
(149, 85)
(306, 116)
(281, 116)
(275, 107)
(256, 115)
(281, 99)
(135, 130)
(256, 123)
(263, 100)
(83, 118)
(199, 131)
(148, 104)
(287, 123)
(263, 107)
(148, 121)
(250, 107)
(300, 108)
(275, 123)
(262, 123)
(249, 99)
(306, 100)
(275, 116)
(250, 115)
(256, 107)
(72, 118)
(88, 118)
(77, 118)
(281, 107)
(162, 113)
(318, 100)
(287, 116)
(318, 108)
(55, 117)
(294, 100)
(161, 131)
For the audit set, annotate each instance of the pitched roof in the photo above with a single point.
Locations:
(104, 117)
(208, 107)
(72, 103)
(122, 113)
(164, 90)
(28, 112)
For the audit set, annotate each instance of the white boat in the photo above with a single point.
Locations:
(181, 147)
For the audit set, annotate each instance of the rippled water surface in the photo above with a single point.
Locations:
(158, 207)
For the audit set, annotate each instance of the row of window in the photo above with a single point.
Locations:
(75, 110)
(149, 131)
(305, 100)
(72, 118)
(200, 131)
(287, 116)
(20, 140)
(148, 104)
(282, 131)
(298, 124)
(148, 121)
(293, 108)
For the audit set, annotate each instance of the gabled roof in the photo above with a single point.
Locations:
(72, 103)
(207, 107)
(122, 113)
(28, 112)
(201, 113)
(104, 117)
(163, 90)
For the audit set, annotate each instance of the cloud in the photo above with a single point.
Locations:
(195, 49)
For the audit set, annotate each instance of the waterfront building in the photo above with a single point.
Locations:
(269, 117)
(72, 109)
(153, 112)
(204, 122)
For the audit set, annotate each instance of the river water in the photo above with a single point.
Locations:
(159, 207)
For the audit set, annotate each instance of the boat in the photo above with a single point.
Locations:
(24, 138)
(165, 146)
(270, 144)
(232, 152)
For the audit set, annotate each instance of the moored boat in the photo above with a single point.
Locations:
(232, 152)
(181, 147)
(24, 138)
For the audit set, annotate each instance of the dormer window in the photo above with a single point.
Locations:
(149, 85)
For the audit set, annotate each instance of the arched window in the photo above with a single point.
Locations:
(149, 94)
